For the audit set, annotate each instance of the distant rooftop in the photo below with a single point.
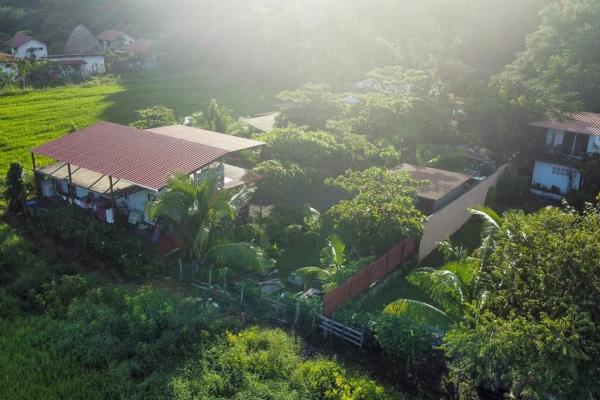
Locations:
(81, 41)
(263, 122)
(7, 58)
(141, 46)
(110, 35)
(582, 122)
(18, 40)
(442, 182)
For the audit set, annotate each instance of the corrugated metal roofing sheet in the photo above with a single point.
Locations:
(229, 143)
(142, 158)
(583, 122)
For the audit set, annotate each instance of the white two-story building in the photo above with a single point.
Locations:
(561, 146)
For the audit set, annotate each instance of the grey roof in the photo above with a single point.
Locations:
(82, 41)
(441, 182)
(263, 122)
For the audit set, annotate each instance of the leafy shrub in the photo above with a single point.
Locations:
(381, 214)
(149, 328)
(88, 237)
(327, 380)
(265, 363)
(56, 296)
(403, 339)
(9, 305)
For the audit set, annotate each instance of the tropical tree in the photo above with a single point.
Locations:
(335, 266)
(14, 188)
(154, 117)
(536, 334)
(450, 289)
(200, 217)
(215, 118)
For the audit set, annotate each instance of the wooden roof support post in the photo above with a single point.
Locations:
(114, 204)
(70, 194)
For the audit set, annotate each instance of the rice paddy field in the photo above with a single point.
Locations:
(30, 366)
(33, 117)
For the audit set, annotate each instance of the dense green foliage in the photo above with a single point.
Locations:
(535, 331)
(154, 117)
(266, 364)
(296, 163)
(200, 216)
(381, 212)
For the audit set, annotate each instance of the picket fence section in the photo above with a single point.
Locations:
(360, 282)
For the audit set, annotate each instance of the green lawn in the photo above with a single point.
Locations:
(29, 369)
(35, 117)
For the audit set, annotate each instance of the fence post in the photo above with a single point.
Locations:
(387, 262)
(402, 251)
(349, 292)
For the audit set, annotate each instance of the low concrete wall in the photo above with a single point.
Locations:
(443, 223)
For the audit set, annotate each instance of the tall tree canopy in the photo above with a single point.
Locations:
(535, 331)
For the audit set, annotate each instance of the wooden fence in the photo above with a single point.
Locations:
(360, 282)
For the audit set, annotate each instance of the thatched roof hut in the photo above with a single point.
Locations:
(82, 41)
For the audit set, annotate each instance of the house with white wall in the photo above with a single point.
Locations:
(26, 47)
(114, 40)
(560, 147)
(115, 170)
(82, 55)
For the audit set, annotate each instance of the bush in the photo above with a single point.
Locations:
(265, 364)
(87, 237)
(9, 305)
(148, 328)
(403, 340)
(55, 296)
(326, 380)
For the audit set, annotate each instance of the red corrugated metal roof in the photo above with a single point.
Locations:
(143, 158)
(141, 46)
(19, 40)
(226, 142)
(583, 122)
(110, 35)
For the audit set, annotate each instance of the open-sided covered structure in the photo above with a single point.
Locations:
(107, 165)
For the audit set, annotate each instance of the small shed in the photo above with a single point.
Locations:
(443, 187)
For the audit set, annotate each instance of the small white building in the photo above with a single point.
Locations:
(82, 55)
(562, 144)
(25, 47)
(114, 40)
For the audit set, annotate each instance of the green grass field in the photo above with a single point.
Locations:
(38, 116)
(30, 369)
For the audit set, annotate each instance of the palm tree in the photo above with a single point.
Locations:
(451, 287)
(335, 266)
(449, 290)
(199, 215)
(215, 118)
